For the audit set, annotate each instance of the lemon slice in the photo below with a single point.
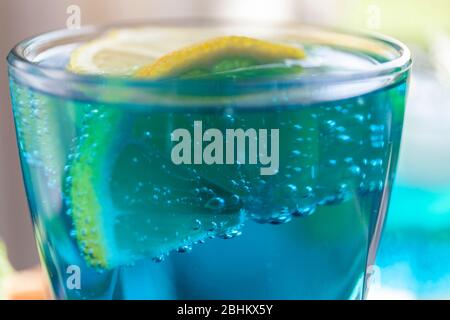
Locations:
(155, 54)
(107, 57)
(215, 55)
(123, 51)
(128, 201)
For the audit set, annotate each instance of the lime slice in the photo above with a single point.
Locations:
(5, 269)
(126, 197)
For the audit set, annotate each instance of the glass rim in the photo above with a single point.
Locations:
(17, 56)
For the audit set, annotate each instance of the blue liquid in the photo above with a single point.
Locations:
(303, 233)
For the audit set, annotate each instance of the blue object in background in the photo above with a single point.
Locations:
(414, 254)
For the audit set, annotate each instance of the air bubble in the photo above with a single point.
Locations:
(376, 162)
(234, 200)
(307, 192)
(213, 226)
(280, 219)
(158, 259)
(359, 118)
(215, 203)
(332, 162)
(376, 128)
(330, 124)
(197, 224)
(292, 187)
(344, 138)
(296, 153)
(184, 249)
(304, 211)
(230, 234)
(148, 134)
(355, 170)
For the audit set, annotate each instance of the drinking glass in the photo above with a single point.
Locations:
(294, 210)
